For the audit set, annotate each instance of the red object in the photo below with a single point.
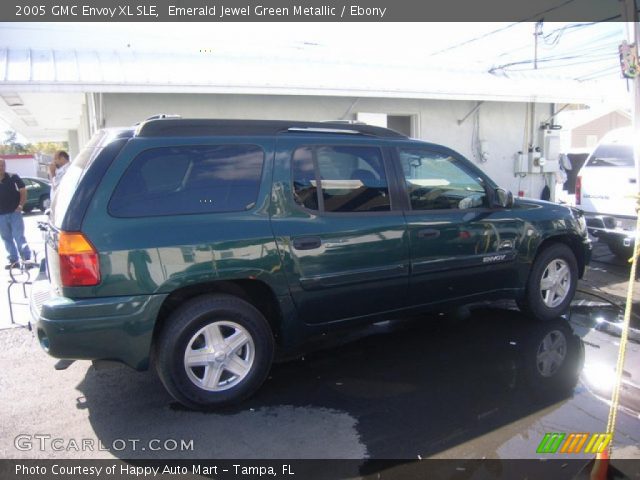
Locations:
(521, 193)
(600, 467)
(79, 262)
(17, 157)
(578, 190)
(465, 235)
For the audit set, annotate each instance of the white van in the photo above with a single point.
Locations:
(605, 188)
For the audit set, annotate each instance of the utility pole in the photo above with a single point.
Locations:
(636, 87)
(536, 35)
(629, 15)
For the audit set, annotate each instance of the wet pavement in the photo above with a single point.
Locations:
(460, 386)
(438, 386)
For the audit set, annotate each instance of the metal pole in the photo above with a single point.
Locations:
(630, 14)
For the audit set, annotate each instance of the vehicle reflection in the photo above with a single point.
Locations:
(459, 376)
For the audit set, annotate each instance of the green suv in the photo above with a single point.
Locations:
(209, 247)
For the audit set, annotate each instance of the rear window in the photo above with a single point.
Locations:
(189, 180)
(79, 165)
(612, 156)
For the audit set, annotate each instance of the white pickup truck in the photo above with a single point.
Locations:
(605, 188)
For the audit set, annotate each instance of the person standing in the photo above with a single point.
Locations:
(58, 167)
(13, 195)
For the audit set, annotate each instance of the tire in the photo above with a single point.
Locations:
(196, 372)
(546, 304)
(45, 202)
(620, 251)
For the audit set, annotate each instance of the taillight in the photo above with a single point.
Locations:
(578, 190)
(79, 263)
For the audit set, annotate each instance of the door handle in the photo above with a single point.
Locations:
(307, 243)
(428, 233)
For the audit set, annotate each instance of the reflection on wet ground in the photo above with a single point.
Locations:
(480, 383)
(427, 385)
(600, 327)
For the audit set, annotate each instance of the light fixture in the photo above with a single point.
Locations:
(12, 99)
(30, 122)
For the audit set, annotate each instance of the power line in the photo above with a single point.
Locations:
(548, 59)
(532, 17)
(466, 42)
(598, 73)
(584, 44)
(564, 65)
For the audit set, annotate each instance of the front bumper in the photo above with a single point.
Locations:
(610, 228)
(111, 328)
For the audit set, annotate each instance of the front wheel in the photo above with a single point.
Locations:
(215, 350)
(552, 283)
(619, 250)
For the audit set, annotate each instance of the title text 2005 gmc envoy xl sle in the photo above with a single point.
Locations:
(208, 246)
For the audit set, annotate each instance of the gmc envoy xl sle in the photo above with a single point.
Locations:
(206, 247)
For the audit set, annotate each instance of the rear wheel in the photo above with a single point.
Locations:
(552, 283)
(216, 350)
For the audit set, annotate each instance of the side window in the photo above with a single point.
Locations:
(436, 181)
(305, 189)
(351, 179)
(189, 179)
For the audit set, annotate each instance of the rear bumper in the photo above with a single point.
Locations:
(111, 328)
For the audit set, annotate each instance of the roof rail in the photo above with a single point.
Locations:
(323, 130)
(159, 116)
(346, 122)
(180, 127)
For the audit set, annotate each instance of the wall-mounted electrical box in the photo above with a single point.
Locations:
(534, 157)
(551, 166)
(521, 165)
(549, 142)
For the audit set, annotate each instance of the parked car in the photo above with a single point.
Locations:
(605, 190)
(38, 194)
(213, 245)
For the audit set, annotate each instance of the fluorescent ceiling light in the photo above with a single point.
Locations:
(12, 99)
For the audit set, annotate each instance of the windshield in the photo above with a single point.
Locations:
(612, 156)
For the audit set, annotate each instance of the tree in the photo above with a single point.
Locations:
(11, 146)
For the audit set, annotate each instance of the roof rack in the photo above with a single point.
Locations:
(180, 127)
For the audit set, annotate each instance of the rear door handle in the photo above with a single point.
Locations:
(307, 243)
(428, 233)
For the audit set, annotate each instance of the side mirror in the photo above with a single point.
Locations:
(503, 198)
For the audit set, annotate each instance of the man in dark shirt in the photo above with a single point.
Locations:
(13, 195)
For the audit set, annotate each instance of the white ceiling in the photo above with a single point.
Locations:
(54, 113)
